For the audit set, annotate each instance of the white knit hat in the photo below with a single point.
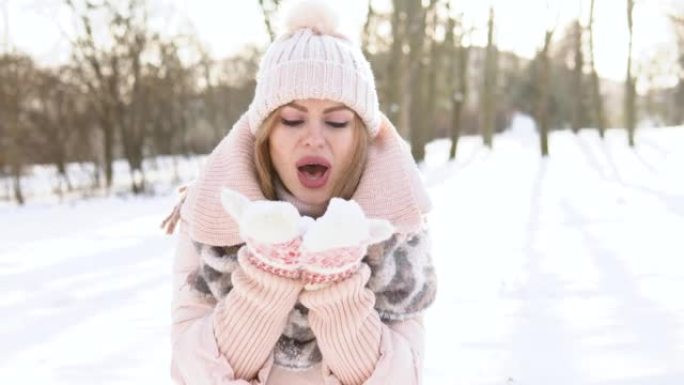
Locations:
(313, 60)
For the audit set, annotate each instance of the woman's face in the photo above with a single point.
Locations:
(311, 147)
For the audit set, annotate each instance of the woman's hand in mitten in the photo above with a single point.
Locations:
(334, 245)
(272, 231)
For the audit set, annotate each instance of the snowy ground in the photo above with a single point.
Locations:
(568, 270)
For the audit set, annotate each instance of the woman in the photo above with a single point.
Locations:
(313, 132)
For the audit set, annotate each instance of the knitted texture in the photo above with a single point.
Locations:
(307, 64)
(331, 265)
(347, 328)
(251, 318)
(280, 259)
(390, 187)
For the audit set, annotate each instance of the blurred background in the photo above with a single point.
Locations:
(549, 133)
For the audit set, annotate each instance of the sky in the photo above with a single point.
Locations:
(40, 26)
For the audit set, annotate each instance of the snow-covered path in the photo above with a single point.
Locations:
(563, 271)
(85, 292)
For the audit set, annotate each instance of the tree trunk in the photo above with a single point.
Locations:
(14, 152)
(268, 10)
(132, 125)
(678, 117)
(64, 176)
(366, 37)
(15, 158)
(415, 97)
(595, 81)
(542, 103)
(396, 79)
(434, 68)
(630, 107)
(95, 178)
(16, 178)
(15, 149)
(460, 99)
(108, 142)
(457, 78)
(578, 77)
(488, 93)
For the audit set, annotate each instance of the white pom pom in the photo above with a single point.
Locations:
(319, 15)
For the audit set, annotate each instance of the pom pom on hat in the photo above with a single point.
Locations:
(315, 14)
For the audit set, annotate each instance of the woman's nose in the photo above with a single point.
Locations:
(314, 135)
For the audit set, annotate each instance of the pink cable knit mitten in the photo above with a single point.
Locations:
(272, 231)
(334, 245)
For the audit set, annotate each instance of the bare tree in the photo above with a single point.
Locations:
(132, 37)
(396, 68)
(269, 9)
(630, 90)
(543, 93)
(597, 98)
(207, 67)
(433, 63)
(489, 84)
(367, 33)
(53, 115)
(543, 81)
(175, 100)
(578, 111)
(100, 84)
(414, 91)
(677, 18)
(457, 75)
(113, 76)
(16, 80)
(239, 74)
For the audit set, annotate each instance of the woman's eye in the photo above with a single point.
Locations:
(338, 124)
(291, 123)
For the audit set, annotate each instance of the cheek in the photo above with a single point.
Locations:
(344, 146)
(279, 160)
(279, 148)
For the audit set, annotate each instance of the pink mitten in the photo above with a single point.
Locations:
(334, 245)
(272, 231)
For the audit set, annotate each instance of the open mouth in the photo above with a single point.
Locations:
(313, 171)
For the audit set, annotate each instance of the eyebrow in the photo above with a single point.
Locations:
(327, 110)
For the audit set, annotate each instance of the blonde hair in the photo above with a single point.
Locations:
(268, 176)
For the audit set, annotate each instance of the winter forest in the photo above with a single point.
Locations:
(550, 135)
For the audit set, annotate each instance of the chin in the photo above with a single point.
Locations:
(316, 197)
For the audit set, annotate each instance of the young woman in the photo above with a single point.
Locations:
(326, 315)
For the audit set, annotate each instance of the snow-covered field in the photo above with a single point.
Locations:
(568, 270)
